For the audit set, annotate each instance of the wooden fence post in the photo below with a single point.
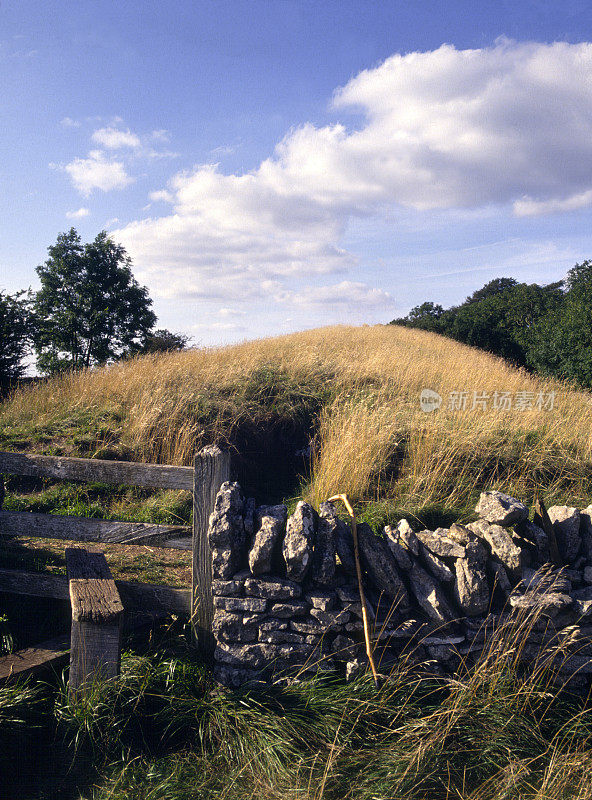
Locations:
(97, 614)
(211, 469)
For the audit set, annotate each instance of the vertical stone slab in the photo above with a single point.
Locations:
(211, 470)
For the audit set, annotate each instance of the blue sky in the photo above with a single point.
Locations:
(274, 165)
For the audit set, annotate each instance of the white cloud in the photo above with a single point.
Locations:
(82, 212)
(68, 122)
(162, 195)
(161, 135)
(445, 129)
(343, 293)
(531, 208)
(97, 172)
(230, 312)
(225, 327)
(116, 139)
(159, 154)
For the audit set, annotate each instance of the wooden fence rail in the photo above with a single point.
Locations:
(211, 468)
(136, 596)
(99, 531)
(127, 473)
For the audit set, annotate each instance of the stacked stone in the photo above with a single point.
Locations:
(287, 602)
(290, 609)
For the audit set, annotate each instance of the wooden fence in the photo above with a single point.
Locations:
(97, 601)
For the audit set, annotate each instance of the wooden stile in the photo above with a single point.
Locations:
(136, 596)
(96, 599)
(129, 473)
(87, 529)
(211, 470)
(53, 653)
(97, 615)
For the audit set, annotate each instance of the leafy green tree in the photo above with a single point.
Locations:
(15, 333)
(504, 320)
(491, 289)
(425, 316)
(482, 324)
(90, 309)
(164, 341)
(504, 317)
(562, 341)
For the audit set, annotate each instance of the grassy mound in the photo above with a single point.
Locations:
(351, 392)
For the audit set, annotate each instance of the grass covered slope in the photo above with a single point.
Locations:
(353, 391)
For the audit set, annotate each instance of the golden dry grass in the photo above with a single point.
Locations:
(373, 439)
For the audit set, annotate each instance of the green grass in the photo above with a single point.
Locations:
(164, 730)
(103, 501)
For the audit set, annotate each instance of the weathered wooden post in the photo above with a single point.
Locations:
(97, 613)
(211, 469)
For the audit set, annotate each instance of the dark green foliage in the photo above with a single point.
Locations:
(15, 333)
(90, 310)
(164, 341)
(562, 343)
(543, 328)
(491, 289)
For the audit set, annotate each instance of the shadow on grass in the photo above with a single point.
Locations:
(31, 620)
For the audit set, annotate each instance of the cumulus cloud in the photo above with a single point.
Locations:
(509, 124)
(230, 312)
(534, 208)
(68, 122)
(115, 138)
(82, 212)
(161, 195)
(97, 171)
(343, 293)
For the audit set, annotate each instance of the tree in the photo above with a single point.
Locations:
(90, 309)
(425, 316)
(506, 318)
(562, 341)
(164, 341)
(492, 288)
(483, 324)
(15, 332)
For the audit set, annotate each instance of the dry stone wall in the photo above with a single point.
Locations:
(286, 599)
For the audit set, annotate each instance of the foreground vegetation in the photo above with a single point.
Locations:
(163, 730)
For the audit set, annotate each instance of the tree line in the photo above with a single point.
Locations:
(89, 310)
(547, 329)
